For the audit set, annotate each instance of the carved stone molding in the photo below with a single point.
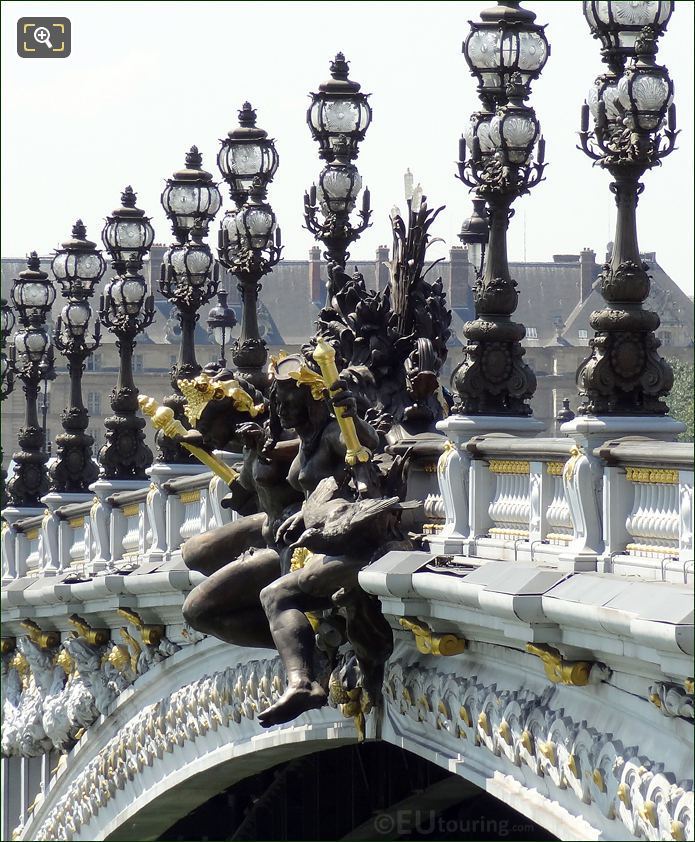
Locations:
(51, 695)
(211, 702)
(522, 727)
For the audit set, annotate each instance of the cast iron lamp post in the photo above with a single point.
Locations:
(78, 268)
(31, 358)
(634, 129)
(189, 275)
(220, 322)
(126, 309)
(475, 234)
(7, 321)
(493, 379)
(249, 237)
(6, 377)
(338, 117)
(501, 158)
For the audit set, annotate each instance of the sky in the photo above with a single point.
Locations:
(146, 80)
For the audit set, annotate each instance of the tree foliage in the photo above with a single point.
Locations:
(680, 400)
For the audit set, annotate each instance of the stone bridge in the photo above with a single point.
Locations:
(544, 644)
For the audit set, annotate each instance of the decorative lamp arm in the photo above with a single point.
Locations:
(162, 418)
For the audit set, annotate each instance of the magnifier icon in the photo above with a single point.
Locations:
(43, 36)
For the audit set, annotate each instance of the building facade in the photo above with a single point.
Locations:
(555, 301)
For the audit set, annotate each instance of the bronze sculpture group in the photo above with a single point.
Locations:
(319, 494)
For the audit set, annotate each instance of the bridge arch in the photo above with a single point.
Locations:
(186, 730)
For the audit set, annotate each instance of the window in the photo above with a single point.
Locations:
(94, 362)
(666, 337)
(94, 403)
(583, 334)
(138, 363)
(532, 333)
(94, 433)
(172, 360)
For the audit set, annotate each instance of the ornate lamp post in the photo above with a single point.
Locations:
(506, 161)
(77, 267)
(634, 129)
(7, 321)
(338, 117)
(501, 158)
(191, 200)
(249, 238)
(126, 309)
(31, 358)
(220, 321)
(475, 234)
(6, 376)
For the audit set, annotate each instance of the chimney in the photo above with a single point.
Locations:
(381, 272)
(587, 273)
(459, 291)
(315, 285)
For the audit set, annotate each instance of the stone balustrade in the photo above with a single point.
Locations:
(624, 507)
(648, 508)
(114, 529)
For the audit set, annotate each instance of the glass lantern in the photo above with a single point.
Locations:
(248, 158)
(32, 293)
(31, 343)
(228, 243)
(190, 197)
(78, 262)
(617, 23)
(75, 318)
(645, 90)
(127, 234)
(255, 226)
(514, 130)
(605, 91)
(7, 320)
(191, 263)
(128, 293)
(475, 233)
(477, 133)
(339, 115)
(338, 188)
(505, 42)
(220, 321)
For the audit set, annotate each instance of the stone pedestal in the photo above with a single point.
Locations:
(100, 519)
(52, 527)
(453, 471)
(599, 516)
(158, 503)
(12, 550)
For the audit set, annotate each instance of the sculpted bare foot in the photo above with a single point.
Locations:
(308, 695)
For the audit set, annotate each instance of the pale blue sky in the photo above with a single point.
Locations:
(148, 79)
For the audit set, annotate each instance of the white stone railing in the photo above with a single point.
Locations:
(624, 507)
(141, 523)
(29, 545)
(129, 525)
(194, 506)
(648, 508)
(74, 536)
